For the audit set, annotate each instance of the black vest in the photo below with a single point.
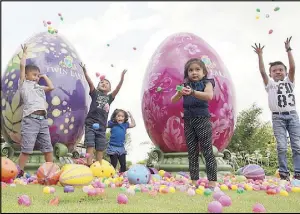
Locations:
(192, 106)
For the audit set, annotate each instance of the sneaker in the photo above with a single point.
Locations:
(284, 176)
(297, 176)
(20, 174)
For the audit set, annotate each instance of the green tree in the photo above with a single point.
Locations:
(251, 133)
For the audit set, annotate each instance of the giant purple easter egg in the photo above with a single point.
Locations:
(66, 104)
(163, 119)
(254, 172)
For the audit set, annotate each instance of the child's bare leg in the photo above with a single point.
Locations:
(23, 158)
(212, 183)
(194, 182)
(90, 151)
(99, 156)
(48, 156)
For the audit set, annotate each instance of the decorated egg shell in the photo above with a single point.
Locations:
(66, 105)
(163, 119)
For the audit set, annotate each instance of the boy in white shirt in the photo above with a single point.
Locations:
(280, 89)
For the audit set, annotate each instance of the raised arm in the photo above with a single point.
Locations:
(49, 83)
(132, 123)
(23, 63)
(291, 59)
(88, 79)
(259, 50)
(117, 89)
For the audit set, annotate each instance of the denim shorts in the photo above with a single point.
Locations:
(35, 131)
(95, 138)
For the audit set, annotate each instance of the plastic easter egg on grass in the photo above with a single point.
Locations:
(54, 201)
(48, 173)
(122, 199)
(215, 207)
(105, 170)
(218, 194)
(9, 170)
(66, 105)
(46, 190)
(225, 200)
(258, 208)
(163, 119)
(76, 175)
(253, 171)
(138, 174)
(24, 200)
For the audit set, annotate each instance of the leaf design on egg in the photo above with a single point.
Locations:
(15, 101)
(12, 116)
(171, 135)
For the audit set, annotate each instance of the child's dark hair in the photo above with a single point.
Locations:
(29, 68)
(114, 115)
(276, 63)
(103, 80)
(191, 61)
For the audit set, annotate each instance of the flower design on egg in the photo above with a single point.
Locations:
(206, 60)
(68, 61)
(192, 49)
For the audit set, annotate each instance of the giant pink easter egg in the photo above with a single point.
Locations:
(163, 119)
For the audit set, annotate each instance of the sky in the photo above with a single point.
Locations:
(229, 27)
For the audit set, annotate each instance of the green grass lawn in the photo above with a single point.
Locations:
(141, 202)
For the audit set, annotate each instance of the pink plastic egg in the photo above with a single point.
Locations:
(225, 200)
(92, 192)
(24, 200)
(215, 207)
(122, 199)
(218, 195)
(99, 191)
(258, 208)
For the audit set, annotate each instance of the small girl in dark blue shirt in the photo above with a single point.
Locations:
(116, 148)
(196, 93)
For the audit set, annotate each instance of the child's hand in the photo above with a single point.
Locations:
(24, 49)
(258, 49)
(124, 72)
(42, 75)
(287, 44)
(82, 66)
(187, 90)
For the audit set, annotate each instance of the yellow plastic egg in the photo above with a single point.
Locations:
(46, 190)
(172, 190)
(249, 188)
(284, 193)
(200, 191)
(201, 188)
(17, 181)
(296, 189)
(223, 187)
(234, 187)
(161, 173)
